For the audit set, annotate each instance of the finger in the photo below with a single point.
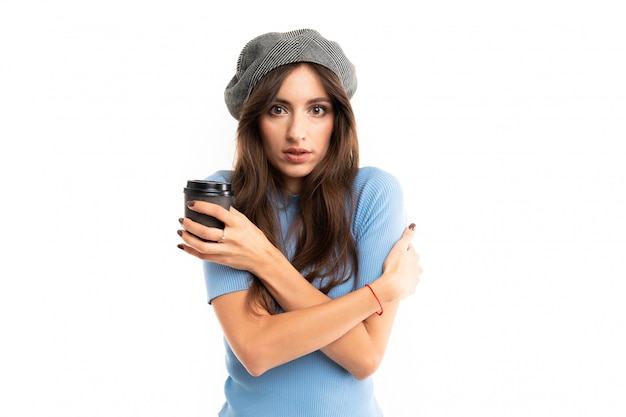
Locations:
(203, 240)
(408, 234)
(192, 251)
(210, 209)
(202, 249)
(203, 232)
(217, 257)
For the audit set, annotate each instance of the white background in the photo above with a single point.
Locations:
(504, 120)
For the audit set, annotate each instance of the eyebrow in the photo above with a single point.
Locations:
(312, 101)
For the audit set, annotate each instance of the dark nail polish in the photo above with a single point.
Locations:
(190, 203)
(180, 247)
(412, 226)
(180, 232)
(180, 220)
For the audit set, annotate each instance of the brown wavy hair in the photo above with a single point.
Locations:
(325, 248)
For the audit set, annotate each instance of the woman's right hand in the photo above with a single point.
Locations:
(401, 270)
(240, 244)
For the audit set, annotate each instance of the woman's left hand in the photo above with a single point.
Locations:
(240, 244)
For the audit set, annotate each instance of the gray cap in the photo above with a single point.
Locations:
(271, 50)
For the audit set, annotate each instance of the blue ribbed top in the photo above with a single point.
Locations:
(314, 385)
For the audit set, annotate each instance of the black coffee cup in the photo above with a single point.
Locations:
(216, 192)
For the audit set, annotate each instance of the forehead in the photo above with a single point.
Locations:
(302, 80)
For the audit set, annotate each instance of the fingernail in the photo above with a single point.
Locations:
(180, 220)
(412, 226)
(190, 203)
(180, 232)
(180, 247)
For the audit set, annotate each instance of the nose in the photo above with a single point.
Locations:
(296, 131)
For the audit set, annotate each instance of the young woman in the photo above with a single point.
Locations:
(306, 275)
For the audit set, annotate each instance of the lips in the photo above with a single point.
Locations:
(297, 155)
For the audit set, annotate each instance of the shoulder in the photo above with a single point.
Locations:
(377, 197)
(372, 182)
(222, 176)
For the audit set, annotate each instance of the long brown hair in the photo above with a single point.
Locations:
(325, 248)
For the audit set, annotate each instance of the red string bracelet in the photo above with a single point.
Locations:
(380, 313)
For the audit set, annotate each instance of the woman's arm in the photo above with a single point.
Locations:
(359, 348)
(262, 341)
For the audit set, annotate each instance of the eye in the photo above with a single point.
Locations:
(277, 110)
(318, 110)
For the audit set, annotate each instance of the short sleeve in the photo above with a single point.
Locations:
(380, 219)
(221, 279)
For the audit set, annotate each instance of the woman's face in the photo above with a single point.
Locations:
(296, 131)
